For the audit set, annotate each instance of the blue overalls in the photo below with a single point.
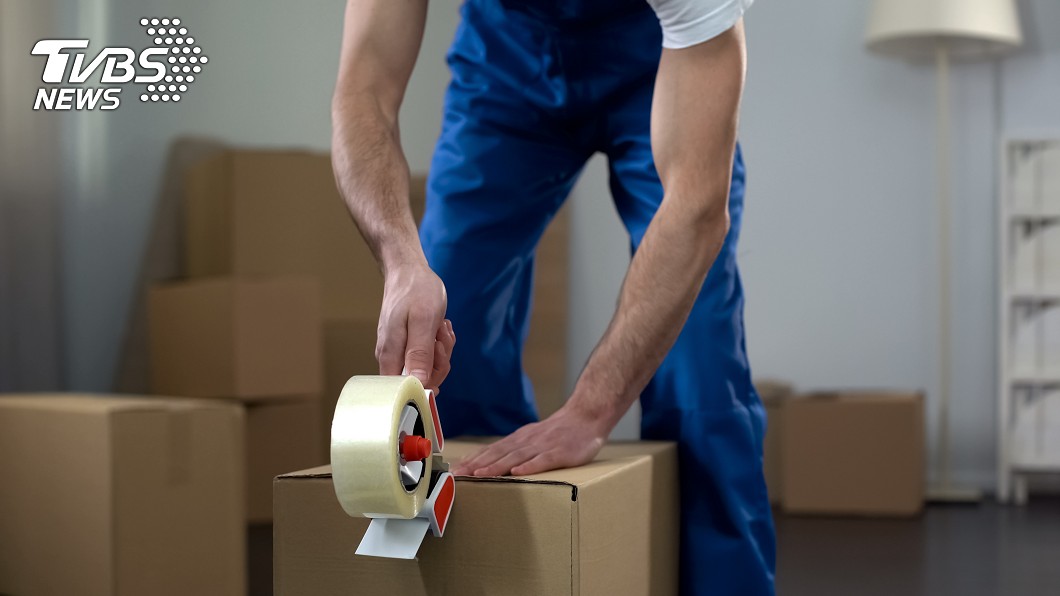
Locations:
(538, 86)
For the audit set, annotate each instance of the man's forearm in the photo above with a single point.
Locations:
(663, 282)
(694, 118)
(373, 177)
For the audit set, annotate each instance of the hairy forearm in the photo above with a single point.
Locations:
(694, 118)
(373, 177)
(657, 295)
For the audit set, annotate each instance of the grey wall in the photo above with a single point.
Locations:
(30, 337)
(838, 251)
(269, 84)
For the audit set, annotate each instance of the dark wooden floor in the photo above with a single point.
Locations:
(967, 550)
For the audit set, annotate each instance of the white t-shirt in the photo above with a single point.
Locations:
(688, 22)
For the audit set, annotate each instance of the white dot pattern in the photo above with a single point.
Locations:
(184, 56)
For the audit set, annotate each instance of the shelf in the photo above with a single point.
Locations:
(1033, 295)
(1033, 467)
(1035, 379)
(1029, 207)
(1024, 215)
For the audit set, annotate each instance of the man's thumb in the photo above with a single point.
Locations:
(419, 361)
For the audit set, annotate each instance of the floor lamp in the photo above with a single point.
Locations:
(941, 30)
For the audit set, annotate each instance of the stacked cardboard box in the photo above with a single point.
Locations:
(120, 496)
(254, 340)
(254, 213)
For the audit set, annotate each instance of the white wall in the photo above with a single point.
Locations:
(839, 244)
(840, 248)
(838, 251)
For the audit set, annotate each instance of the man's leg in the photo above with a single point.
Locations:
(702, 396)
(501, 170)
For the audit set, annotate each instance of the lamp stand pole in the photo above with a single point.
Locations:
(943, 491)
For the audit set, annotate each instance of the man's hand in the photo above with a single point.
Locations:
(380, 42)
(570, 437)
(413, 335)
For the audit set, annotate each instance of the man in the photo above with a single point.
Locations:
(537, 87)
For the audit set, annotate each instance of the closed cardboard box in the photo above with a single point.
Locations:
(608, 528)
(277, 213)
(854, 453)
(248, 339)
(118, 496)
(280, 437)
(774, 395)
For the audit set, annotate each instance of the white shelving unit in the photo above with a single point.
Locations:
(1029, 370)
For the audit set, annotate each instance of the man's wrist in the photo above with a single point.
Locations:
(401, 255)
(601, 403)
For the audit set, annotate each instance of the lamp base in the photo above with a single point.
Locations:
(953, 495)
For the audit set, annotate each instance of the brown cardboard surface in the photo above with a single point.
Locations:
(349, 349)
(276, 213)
(280, 437)
(854, 453)
(120, 496)
(545, 350)
(773, 394)
(236, 338)
(606, 528)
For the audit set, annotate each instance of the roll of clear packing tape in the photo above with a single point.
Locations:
(365, 446)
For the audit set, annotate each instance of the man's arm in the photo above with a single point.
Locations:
(381, 39)
(694, 119)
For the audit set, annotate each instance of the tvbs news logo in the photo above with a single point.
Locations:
(163, 72)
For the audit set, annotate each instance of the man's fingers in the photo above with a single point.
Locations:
(505, 464)
(486, 456)
(463, 468)
(446, 337)
(443, 351)
(441, 365)
(549, 460)
(419, 353)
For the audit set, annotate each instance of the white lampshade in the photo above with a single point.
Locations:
(966, 28)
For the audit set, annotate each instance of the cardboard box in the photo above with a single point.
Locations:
(120, 496)
(280, 437)
(854, 453)
(349, 349)
(545, 350)
(610, 527)
(774, 394)
(236, 338)
(279, 213)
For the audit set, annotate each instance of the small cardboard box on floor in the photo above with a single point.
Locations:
(608, 528)
(121, 496)
(774, 395)
(854, 453)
